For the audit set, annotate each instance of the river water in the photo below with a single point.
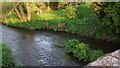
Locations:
(36, 47)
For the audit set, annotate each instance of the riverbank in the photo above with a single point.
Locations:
(85, 27)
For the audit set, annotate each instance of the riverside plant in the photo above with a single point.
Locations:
(7, 59)
(82, 51)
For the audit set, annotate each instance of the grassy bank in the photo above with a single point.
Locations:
(7, 59)
(90, 27)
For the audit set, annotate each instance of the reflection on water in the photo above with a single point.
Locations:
(35, 47)
(43, 42)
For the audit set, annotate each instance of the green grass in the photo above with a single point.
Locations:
(50, 15)
(90, 27)
(7, 59)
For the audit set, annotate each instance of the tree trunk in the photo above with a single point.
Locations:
(18, 13)
(22, 13)
(28, 7)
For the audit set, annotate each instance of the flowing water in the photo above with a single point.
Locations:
(36, 47)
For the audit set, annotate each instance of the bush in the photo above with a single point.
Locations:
(109, 14)
(94, 54)
(82, 51)
(7, 60)
(84, 11)
(112, 17)
(71, 45)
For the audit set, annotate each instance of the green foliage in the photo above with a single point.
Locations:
(7, 60)
(85, 10)
(108, 13)
(71, 11)
(82, 51)
(54, 25)
(28, 24)
(94, 54)
(71, 45)
(79, 26)
(59, 13)
(111, 18)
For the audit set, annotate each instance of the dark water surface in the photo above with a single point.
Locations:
(36, 47)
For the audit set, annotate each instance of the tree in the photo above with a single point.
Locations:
(18, 8)
(28, 8)
(109, 14)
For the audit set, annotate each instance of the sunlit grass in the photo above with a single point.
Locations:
(13, 20)
(50, 15)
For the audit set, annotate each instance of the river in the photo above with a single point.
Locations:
(36, 47)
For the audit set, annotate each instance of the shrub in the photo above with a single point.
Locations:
(71, 45)
(111, 18)
(109, 14)
(94, 54)
(82, 51)
(84, 11)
